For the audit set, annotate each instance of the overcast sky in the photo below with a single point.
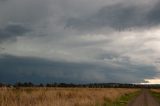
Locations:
(80, 41)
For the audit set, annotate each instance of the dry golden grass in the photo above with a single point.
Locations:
(156, 90)
(59, 96)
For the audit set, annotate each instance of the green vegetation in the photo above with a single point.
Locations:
(122, 101)
(156, 95)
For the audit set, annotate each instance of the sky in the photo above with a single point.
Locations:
(80, 41)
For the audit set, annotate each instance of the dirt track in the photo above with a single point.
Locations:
(144, 99)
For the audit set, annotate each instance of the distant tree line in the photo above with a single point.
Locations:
(91, 85)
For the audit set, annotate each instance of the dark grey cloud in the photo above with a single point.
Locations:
(118, 16)
(38, 70)
(16, 29)
(11, 31)
(153, 15)
(76, 40)
(23, 11)
(2, 0)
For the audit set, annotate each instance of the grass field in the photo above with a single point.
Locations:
(156, 94)
(122, 100)
(63, 96)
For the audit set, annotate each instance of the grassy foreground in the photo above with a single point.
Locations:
(156, 94)
(122, 100)
(65, 96)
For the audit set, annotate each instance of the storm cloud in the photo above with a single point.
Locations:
(37, 69)
(79, 41)
(10, 32)
(119, 16)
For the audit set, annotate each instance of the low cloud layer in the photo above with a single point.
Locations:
(11, 31)
(36, 70)
(79, 41)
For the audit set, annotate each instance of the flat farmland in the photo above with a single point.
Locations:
(61, 96)
(156, 94)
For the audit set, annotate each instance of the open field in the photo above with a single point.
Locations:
(61, 96)
(156, 94)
